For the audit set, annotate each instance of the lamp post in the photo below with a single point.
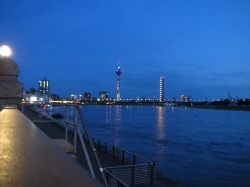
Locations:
(5, 51)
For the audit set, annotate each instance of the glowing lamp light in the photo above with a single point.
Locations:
(5, 51)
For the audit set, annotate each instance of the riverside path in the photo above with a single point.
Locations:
(56, 132)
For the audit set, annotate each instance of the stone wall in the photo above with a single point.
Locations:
(11, 90)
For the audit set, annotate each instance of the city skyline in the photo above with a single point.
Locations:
(200, 47)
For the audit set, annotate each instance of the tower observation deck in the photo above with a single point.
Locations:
(118, 73)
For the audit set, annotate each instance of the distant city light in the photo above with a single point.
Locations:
(33, 98)
(5, 51)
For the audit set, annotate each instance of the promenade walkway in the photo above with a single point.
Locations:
(28, 157)
(54, 132)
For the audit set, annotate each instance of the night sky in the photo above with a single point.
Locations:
(201, 47)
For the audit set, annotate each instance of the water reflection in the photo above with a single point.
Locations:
(118, 119)
(160, 133)
(160, 123)
(108, 115)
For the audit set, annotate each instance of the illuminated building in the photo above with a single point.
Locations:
(103, 95)
(73, 97)
(161, 89)
(183, 98)
(44, 86)
(118, 88)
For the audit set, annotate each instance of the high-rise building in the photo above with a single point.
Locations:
(73, 97)
(118, 88)
(87, 96)
(44, 86)
(103, 95)
(161, 88)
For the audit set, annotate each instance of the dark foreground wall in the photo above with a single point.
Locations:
(11, 90)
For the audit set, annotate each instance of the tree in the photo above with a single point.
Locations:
(32, 90)
(245, 102)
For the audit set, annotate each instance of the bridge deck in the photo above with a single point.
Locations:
(28, 157)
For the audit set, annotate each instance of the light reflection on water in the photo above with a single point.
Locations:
(160, 123)
(195, 147)
(160, 131)
(118, 122)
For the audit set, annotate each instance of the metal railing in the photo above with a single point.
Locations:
(118, 153)
(131, 175)
(113, 181)
(135, 169)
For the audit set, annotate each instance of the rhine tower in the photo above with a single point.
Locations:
(118, 73)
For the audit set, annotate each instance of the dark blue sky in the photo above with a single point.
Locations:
(201, 47)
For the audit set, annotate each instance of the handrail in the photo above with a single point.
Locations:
(132, 165)
(92, 146)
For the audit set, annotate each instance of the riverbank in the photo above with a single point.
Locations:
(239, 108)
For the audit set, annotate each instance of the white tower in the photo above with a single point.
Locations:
(118, 88)
(161, 89)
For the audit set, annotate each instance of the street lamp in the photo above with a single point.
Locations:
(5, 51)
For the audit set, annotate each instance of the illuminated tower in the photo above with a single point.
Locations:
(161, 88)
(118, 73)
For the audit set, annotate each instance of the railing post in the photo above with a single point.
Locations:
(113, 151)
(123, 156)
(133, 175)
(75, 130)
(105, 147)
(67, 119)
(134, 159)
(107, 179)
(152, 172)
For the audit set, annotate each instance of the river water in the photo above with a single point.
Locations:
(195, 147)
